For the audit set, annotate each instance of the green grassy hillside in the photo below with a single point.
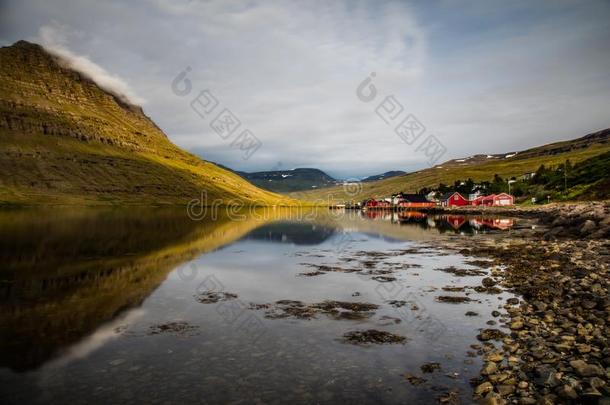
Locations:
(479, 168)
(586, 180)
(65, 140)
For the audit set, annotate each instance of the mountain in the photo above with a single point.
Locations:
(385, 175)
(305, 234)
(64, 139)
(284, 181)
(479, 168)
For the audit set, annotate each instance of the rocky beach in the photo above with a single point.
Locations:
(553, 347)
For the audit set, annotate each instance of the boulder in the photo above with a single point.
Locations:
(488, 282)
(586, 370)
(484, 388)
(587, 227)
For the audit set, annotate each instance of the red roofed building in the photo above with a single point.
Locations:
(453, 199)
(414, 201)
(377, 204)
(501, 199)
(477, 201)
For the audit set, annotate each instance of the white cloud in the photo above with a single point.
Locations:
(485, 77)
(54, 39)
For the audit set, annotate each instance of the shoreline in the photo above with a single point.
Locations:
(584, 219)
(556, 348)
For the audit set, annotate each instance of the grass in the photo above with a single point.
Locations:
(449, 173)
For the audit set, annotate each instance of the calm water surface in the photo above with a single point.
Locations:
(104, 306)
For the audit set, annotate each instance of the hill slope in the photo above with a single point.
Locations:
(63, 139)
(478, 167)
(386, 175)
(284, 181)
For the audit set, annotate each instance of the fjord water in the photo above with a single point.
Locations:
(148, 305)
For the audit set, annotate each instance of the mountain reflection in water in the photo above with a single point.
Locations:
(66, 272)
(80, 290)
(286, 232)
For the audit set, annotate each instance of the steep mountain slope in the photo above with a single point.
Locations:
(63, 139)
(478, 167)
(284, 181)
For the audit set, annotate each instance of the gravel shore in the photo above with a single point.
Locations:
(555, 349)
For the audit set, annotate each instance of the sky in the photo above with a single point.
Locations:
(476, 76)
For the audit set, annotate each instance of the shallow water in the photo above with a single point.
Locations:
(103, 306)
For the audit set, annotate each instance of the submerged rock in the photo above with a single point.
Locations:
(414, 380)
(454, 289)
(211, 297)
(335, 309)
(389, 320)
(312, 273)
(384, 279)
(452, 397)
(490, 334)
(177, 327)
(462, 272)
(453, 299)
(372, 336)
(430, 367)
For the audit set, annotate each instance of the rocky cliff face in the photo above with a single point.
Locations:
(65, 139)
(41, 95)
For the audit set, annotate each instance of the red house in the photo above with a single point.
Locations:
(453, 199)
(501, 199)
(377, 204)
(477, 201)
(414, 201)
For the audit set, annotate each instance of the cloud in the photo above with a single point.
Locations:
(485, 77)
(54, 39)
(290, 70)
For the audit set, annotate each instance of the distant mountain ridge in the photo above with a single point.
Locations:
(63, 139)
(284, 181)
(300, 179)
(385, 175)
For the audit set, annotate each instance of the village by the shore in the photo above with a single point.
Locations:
(452, 199)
